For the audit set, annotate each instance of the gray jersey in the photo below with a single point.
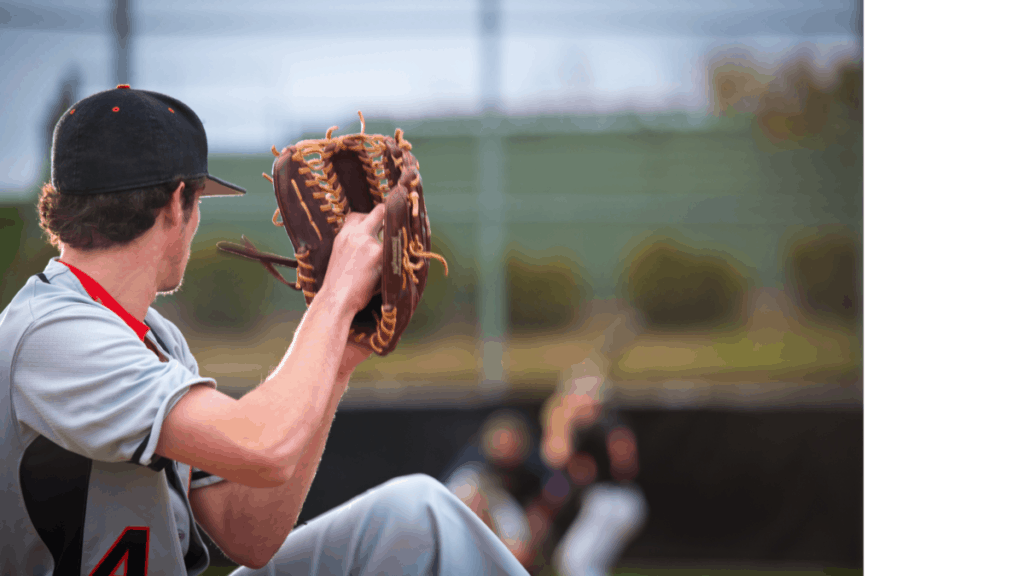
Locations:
(82, 402)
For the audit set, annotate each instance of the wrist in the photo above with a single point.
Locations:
(343, 299)
(354, 355)
(336, 303)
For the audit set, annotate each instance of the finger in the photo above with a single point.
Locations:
(370, 222)
(378, 274)
(354, 218)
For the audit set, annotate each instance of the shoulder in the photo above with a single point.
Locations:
(47, 298)
(48, 291)
(169, 336)
(54, 313)
(166, 329)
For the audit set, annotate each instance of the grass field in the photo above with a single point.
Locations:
(770, 348)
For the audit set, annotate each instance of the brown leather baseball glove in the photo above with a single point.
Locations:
(317, 184)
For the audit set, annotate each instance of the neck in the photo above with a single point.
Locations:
(129, 273)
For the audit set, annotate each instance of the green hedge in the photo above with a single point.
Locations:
(823, 272)
(224, 293)
(675, 286)
(544, 292)
(446, 298)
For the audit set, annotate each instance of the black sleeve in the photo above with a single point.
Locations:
(594, 441)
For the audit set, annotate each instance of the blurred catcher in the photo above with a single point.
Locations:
(318, 183)
(562, 493)
(587, 439)
(116, 450)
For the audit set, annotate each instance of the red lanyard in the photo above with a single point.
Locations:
(103, 297)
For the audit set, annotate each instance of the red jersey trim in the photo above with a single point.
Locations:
(100, 295)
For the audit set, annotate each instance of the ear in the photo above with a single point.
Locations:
(173, 213)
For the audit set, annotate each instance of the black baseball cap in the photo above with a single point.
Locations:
(123, 139)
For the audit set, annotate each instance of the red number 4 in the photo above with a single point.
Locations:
(128, 556)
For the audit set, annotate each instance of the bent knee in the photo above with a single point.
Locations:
(414, 484)
(422, 481)
(414, 491)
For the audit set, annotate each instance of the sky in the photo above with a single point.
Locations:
(258, 76)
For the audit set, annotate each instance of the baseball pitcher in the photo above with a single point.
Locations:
(116, 451)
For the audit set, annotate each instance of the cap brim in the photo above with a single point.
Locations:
(217, 187)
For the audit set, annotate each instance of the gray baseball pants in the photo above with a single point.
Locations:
(409, 525)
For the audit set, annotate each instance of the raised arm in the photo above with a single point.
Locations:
(259, 439)
(250, 524)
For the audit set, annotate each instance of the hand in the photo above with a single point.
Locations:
(556, 437)
(354, 355)
(562, 415)
(354, 271)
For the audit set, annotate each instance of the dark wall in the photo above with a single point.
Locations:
(739, 486)
(758, 486)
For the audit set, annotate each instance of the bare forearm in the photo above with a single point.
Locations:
(259, 439)
(305, 389)
(250, 524)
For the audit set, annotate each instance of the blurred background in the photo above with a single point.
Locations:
(674, 187)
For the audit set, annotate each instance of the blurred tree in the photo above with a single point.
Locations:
(10, 236)
(677, 287)
(222, 293)
(824, 274)
(797, 104)
(545, 292)
(805, 107)
(22, 248)
(446, 300)
(737, 82)
(67, 94)
(850, 90)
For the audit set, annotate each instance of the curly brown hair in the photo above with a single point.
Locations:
(97, 221)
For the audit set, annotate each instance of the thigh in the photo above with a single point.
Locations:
(409, 525)
(338, 541)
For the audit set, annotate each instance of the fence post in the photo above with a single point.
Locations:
(492, 303)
